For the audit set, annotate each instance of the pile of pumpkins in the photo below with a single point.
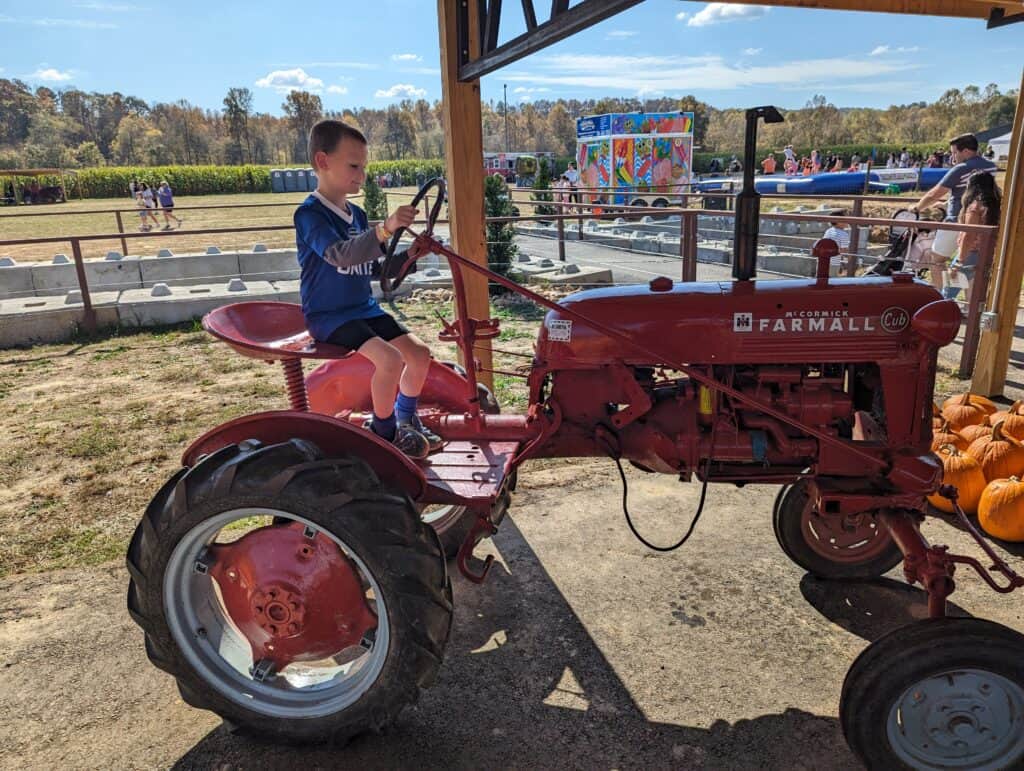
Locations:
(982, 453)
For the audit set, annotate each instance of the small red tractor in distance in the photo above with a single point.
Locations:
(289, 579)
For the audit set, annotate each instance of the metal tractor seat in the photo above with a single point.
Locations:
(272, 331)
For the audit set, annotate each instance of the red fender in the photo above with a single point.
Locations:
(334, 438)
(341, 386)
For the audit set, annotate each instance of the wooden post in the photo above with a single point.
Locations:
(975, 304)
(120, 229)
(83, 284)
(464, 152)
(561, 238)
(994, 346)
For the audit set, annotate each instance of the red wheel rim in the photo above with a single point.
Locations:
(846, 539)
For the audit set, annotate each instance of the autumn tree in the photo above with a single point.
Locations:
(303, 110)
(237, 109)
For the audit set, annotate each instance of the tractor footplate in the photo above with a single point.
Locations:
(467, 472)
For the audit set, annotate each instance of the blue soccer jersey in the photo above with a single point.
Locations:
(336, 251)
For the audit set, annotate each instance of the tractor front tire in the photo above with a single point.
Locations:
(375, 526)
(831, 547)
(938, 694)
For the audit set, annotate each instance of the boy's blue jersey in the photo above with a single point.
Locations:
(331, 296)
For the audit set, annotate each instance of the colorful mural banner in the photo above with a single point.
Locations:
(643, 163)
(624, 160)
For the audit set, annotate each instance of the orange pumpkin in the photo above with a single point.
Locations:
(937, 419)
(971, 433)
(946, 435)
(960, 412)
(1001, 509)
(1013, 420)
(1000, 455)
(986, 404)
(964, 473)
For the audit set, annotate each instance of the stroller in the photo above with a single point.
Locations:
(906, 244)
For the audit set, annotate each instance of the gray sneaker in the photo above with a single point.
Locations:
(415, 424)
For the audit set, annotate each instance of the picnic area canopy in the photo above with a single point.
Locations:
(469, 40)
(40, 173)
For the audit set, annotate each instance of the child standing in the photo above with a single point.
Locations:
(165, 195)
(337, 250)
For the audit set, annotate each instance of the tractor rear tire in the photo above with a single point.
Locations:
(343, 499)
(940, 693)
(877, 555)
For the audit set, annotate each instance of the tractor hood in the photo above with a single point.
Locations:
(743, 322)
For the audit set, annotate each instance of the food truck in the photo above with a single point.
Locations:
(641, 158)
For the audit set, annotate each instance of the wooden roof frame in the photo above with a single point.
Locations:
(469, 34)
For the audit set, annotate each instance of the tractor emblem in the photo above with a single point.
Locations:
(895, 319)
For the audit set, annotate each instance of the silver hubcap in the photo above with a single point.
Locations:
(964, 718)
(222, 656)
(441, 516)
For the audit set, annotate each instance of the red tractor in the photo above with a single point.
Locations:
(289, 579)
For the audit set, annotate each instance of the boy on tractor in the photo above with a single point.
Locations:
(337, 252)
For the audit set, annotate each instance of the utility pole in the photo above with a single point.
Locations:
(505, 89)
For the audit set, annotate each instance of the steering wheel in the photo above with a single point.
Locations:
(391, 273)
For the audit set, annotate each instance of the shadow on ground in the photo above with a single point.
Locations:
(525, 686)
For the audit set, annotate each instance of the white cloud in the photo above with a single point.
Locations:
(403, 90)
(337, 89)
(717, 13)
(882, 50)
(752, 51)
(406, 58)
(74, 23)
(525, 90)
(50, 75)
(284, 81)
(685, 74)
(681, 15)
(621, 33)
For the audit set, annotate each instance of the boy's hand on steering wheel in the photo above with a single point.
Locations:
(401, 218)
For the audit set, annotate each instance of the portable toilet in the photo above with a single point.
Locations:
(276, 181)
(300, 180)
(311, 180)
(290, 181)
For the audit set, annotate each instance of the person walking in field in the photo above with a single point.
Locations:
(144, 213)
(149, 201)
(165, 195)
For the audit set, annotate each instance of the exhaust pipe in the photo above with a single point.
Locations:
(748, 201)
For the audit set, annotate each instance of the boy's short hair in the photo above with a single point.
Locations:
(325, 135)
(965, 142)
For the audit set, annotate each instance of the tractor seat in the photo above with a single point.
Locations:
(271, 331)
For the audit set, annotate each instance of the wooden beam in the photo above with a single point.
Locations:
(995, 345)
(464, 154)
(530, 15)
(582, 15)
(492, 25)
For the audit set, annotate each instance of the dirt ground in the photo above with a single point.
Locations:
(583, 650)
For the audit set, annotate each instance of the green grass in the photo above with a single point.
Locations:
(97, 441)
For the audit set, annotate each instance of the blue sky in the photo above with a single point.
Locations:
(372, 54)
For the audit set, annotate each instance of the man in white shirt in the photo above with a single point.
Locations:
(573, 176)
(838, 233)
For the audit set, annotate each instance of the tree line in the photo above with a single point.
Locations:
(74, 129)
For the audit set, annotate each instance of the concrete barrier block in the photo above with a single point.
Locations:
(259, 247)
(100, 274)
(522, 271)
(60, 259)
(183, 270)
(275, 265)
(669, 246)
(287, 291)
(15, 279)
(575, 275)
(7, 262)
(165, 253)
(213, 250)
(37, 320)
(138, 308)
(113, 256)
(432, 278)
